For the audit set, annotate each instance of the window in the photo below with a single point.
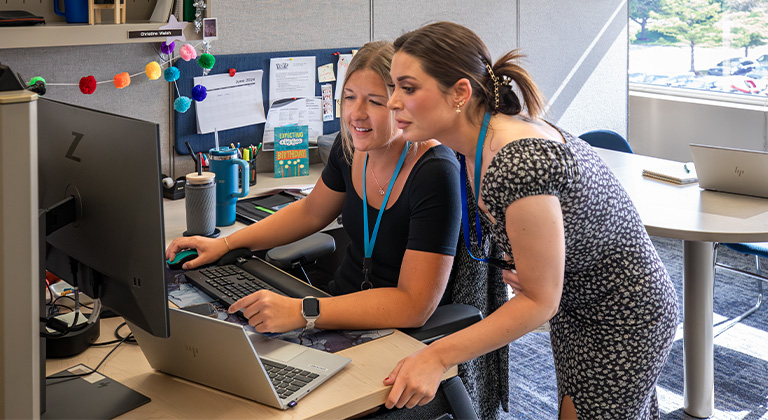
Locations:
(702, 45)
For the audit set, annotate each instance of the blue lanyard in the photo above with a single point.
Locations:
(503, 264)
(370, 240)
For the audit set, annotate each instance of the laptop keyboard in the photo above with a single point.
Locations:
(287, 379)
(227, 283)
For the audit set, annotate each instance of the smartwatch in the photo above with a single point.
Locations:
(310, 310)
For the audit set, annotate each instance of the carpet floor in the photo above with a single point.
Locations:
(741, 353)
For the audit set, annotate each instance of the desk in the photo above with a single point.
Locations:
(357, 388)
(699, 218)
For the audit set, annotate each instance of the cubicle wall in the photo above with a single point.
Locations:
(576, 51)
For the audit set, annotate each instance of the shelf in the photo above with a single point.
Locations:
(58, 34)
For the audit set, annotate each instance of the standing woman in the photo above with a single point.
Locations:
(400, 204)
(577, 252)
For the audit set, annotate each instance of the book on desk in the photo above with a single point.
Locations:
(672, 172)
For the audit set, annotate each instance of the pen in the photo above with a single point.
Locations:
(264, 209)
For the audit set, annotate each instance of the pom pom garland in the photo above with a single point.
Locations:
(199, 92)
(206, 61)
(122, 80)
(181, 104)
(167, 48)
(187, 52)
(34, 80)
(153, 70)
(171, 74)
(88, 85)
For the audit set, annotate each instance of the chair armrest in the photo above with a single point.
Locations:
(302, 251)
(445, 320)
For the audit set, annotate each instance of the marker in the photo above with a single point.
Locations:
(264, 209)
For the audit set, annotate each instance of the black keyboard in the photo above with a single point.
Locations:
(227, 283)
(286, 379)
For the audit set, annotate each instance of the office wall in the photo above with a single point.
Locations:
(663, 126)
(576, 51)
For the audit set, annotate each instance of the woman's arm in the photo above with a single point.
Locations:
(534, 225)
(423, 277)
(291, 223)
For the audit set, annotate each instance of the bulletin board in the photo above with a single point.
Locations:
(185, 124)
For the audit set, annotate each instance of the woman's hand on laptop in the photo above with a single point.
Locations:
(269, 312)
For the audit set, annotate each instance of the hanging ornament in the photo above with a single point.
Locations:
(37, 85)
(171, 74)
(181, 104)
(232, 72)
(167, 48)
(88, 85)
(188, 52)
(199, 92)
(206, 61)
(122, 80)
(153, 70)
(199, 6)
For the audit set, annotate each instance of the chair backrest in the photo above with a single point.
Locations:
(607, 139)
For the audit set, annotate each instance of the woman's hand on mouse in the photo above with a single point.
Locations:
(208, 250)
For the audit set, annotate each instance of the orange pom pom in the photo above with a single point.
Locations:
(122, 80)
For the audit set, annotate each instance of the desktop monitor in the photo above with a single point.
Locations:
(110, 164)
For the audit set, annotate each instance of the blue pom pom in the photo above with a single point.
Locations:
(181, 104)
(171, 74)
(199, 92)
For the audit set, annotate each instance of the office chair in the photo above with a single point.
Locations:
(759, 250)
(447, 318)
(607, 139)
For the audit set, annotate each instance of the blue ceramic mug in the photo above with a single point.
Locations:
(229, 170)
(75, 11)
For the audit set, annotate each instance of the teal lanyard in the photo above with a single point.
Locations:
(503, 264)
(370, 240)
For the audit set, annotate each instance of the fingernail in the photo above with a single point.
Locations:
(387, 378)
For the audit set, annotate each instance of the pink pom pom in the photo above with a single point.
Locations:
(187, 52)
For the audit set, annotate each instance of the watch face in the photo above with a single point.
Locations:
(311, 307)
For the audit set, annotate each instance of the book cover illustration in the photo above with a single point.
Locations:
(291, 151)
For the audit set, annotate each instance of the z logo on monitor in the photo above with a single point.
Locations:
(71, 152)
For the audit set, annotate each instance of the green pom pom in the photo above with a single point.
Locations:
(206, 61)
(35, 80)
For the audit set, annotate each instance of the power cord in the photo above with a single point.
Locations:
(121, 340)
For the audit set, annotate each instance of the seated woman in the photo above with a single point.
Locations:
(400, 205)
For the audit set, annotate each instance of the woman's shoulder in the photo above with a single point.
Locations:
(437, 153)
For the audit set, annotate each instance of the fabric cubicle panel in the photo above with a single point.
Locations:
(185, 124)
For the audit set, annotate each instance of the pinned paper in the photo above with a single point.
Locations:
(325, 73)
(344, 60)
(327, 90)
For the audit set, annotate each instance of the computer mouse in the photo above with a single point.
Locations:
(182, 257)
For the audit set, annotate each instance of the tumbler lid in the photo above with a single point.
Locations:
(223, 152)
(204, 178)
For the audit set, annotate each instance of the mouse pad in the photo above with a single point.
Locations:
(184, 294)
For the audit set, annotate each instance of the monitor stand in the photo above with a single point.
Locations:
(86, 397)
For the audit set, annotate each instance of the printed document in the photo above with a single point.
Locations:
(291, 78)
(304, 111)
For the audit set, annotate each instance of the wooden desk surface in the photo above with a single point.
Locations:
(357, 388)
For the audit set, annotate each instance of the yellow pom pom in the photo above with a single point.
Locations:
(122, 80)
(153, 70)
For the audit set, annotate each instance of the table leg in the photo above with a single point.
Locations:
(698, 347)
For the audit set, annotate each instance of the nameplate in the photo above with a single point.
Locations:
(155, 33)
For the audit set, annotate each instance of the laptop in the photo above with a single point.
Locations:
(226, 356)
(730, 170)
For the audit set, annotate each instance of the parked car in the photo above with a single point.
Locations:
(733, 67)
(677, 80)
(762, 60)
(702, 83)
(761, 72)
